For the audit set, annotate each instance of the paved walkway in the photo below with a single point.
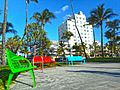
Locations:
(90, 76)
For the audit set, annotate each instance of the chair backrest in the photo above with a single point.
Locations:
(75, 58)
(17, 63)
(10, 54)
(37, 59)
(47, 59)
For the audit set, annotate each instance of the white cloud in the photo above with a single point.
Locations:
(57, 12)
(64, 8)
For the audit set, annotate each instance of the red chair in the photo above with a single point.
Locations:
(43, 60)
(48, 59)
(38, 60)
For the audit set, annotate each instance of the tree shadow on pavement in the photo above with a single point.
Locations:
(114, 74)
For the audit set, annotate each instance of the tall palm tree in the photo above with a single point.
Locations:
(4, 33)
(27, 2)
(101, 14)
(92, 21)
(25, 31)
(113, 27)
(78, 29)
(44, 17)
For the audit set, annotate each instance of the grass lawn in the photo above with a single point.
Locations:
(4, 73)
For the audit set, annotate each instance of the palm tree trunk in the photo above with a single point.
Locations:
(114, 48)
(4, 33)
(78, 30)
(94, 43)
(25, 31)
(26, 22)
(102, 40)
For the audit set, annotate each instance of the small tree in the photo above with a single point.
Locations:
(67, 35)
(112, 33)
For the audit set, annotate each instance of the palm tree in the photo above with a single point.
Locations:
(67, 35)
(4, 33)
(92, 21)
(78, 30)
(109, 35)
(43, 17)
(9, 28)
(101, 14)
(78, 48)
(113, 27)
(61, 49)
(27, 2)
(13, 42)
(25, 32)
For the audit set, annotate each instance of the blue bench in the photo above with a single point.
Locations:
(72, 59)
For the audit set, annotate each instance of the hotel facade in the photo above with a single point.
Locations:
(86, 31)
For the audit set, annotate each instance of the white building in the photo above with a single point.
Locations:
(54, 46)
(86, 31)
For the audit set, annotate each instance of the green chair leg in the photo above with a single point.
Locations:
(33, 77)
(9, 80)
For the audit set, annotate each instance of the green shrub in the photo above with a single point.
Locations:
(105, 60)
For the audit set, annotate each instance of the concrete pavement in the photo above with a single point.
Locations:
(90, 76)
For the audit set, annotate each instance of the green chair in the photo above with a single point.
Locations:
(18, 64)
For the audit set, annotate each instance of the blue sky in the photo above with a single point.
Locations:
(61, 8)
